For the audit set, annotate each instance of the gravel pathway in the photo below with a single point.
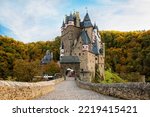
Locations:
(68, 90)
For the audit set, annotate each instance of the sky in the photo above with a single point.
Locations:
(41, 20)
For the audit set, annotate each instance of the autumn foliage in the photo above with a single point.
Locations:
(21, 62)
(127, 54)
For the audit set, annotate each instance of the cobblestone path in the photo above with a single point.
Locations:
(68, 90)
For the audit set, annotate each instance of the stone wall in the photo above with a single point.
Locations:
(23, 91)
(134, 91)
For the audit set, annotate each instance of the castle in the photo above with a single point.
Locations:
(81, 39)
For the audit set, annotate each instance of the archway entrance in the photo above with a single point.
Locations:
(70, 72)
(70, 65)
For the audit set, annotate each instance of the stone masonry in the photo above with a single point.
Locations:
(23, 91)
(132, 91)
(81, 39)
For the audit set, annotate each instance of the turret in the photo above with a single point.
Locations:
(70, 20)
(95, 27)
(66, 21)
(87, 21)
(77, 19)
(95, 34)
(63, 26)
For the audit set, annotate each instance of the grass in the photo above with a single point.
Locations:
(112, 78)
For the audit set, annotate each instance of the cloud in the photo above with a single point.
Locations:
(34, 20)
(31, 20)
(123, 15)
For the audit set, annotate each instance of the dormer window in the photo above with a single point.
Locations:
(85, 47)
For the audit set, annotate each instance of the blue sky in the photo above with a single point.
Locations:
(40, 20)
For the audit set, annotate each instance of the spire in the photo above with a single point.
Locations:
(95, 26)
(87, 18)
(70, 17)
(63, 24)
(66, 19)
(74, 14)
(87, 22)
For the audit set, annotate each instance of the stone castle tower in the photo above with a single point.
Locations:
(81, 39)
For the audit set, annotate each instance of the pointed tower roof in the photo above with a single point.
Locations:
(85, 37)
(74, 14)
(95, 26)
(70, 17)
(87, 21)
(86, 17)
(96, 48)
(63, 24)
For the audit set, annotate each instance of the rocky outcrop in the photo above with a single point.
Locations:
(132, 91)
(23, 91)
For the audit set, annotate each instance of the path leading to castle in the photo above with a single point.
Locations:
(68, 90)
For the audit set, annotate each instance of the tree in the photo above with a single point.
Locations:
(25, 71)
(51, 68)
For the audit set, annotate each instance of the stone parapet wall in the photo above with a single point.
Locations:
(23, 90)
(133, 91)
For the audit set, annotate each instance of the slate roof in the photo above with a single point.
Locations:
(95, 48)
(66, 19)
(70, 17)
(63, 24)
(87, 18)
(95, 26)
(69, 59)
(87, 21)
(85, 37)
(47, 58)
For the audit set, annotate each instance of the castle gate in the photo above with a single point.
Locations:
(71, 62)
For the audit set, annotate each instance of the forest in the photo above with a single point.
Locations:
(127, 54)
(21, 62)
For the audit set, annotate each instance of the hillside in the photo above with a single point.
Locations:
(12, 51)
(126, 53)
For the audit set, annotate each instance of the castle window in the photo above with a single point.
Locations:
(95, 58)
(82, 53)
(79, 54)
